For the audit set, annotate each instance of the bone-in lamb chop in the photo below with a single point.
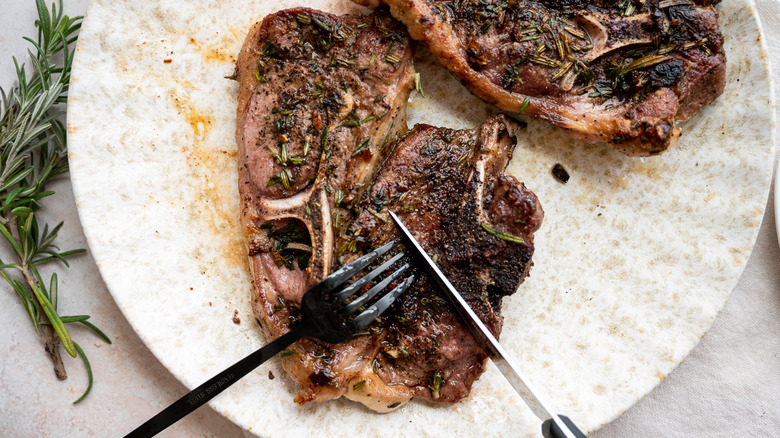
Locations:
(449, 189)
(621, 72)
(317, 110)
(318, 115)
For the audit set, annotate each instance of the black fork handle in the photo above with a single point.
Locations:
(205, 392)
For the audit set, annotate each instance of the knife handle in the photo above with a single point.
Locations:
(551, 430)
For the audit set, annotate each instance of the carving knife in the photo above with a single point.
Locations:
(553, 425)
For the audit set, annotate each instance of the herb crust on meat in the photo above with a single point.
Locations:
(625, 73)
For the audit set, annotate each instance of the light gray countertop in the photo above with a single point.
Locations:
(729, 385)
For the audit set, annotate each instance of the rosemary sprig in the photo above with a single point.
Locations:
(33, 151)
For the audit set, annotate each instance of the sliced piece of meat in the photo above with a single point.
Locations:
(449, 188)
(322, 97)
(624, 72)
(476, 223)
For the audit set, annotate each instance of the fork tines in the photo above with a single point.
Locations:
(375, 309)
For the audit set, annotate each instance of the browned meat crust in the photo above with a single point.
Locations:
(317, 112)
(624, 73)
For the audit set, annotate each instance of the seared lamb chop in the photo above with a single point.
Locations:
(321, 98)
(622, 72)
(478, 224)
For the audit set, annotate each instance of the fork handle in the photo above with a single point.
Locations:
(205, 392)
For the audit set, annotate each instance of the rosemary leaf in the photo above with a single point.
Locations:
(89, 372)
(501, 235)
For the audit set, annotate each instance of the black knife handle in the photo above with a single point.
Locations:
(551, 430)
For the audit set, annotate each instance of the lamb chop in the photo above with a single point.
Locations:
(317, 111)
(621, 72)
(449, 189)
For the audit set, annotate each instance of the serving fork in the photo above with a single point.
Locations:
(323, 315)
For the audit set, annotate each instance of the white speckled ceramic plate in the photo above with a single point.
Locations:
(634, 261)
(777, 204)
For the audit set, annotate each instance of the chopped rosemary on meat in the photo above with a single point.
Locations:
(435, 386)
(501, 235)
(299, 247)
(324, 139)
(630, 9)
(285, 177)
(281, 305)
(288, 353)
(511, 78)
(377, 215)
(643, 62)
(669, 3)
(322, 24)
(344, 62)
(338, 197)
(361, 147)
(288, 245)
(358, 385)
(529, 38)
(526, 102)
(418, 85)
(554, 40)
(269, 49)
(576, 32)
(562, 70)
(392, 59)
(545, 61)
(382, 78)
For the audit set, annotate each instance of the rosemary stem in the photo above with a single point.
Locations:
(46, 332)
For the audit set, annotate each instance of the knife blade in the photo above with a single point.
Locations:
(553, 425)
